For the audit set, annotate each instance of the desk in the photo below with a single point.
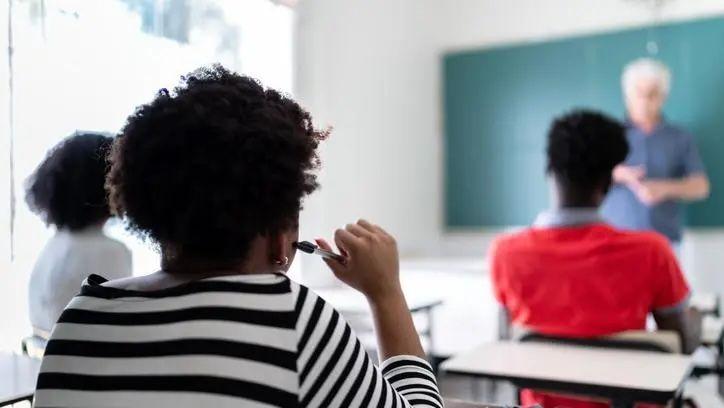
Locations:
(349, 301)
(17, 378)
(353, 306)
(623, 376)
(451, 403)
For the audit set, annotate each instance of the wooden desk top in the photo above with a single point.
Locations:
(591, 371)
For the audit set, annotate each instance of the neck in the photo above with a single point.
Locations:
(568, 195)
(258, 258)
(180, 266)
(574, 199)
(200, 268)
(577, 204)
(647, 125)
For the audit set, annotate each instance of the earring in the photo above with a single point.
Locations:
(282, 263)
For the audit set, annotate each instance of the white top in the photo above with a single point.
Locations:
(67, 259)
(235, 341)
(18, 374)
(635, 370)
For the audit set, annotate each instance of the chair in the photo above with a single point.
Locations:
(639, 340)
(34, 346)
(713, 337)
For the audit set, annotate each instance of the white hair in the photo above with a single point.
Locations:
(646, 68)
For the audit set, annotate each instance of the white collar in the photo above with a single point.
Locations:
(568, 217)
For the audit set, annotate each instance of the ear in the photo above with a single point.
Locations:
(281, 248)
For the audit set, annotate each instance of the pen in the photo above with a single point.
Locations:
(310, 248)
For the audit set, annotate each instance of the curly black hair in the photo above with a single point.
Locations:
(67, 188)
(583, 148)
(204, 169)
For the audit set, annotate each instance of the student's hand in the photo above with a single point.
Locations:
(629, 175)
(652, 192)
(372, 265)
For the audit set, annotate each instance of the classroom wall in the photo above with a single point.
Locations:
(473, 23)
(371, 68)
(366, 68)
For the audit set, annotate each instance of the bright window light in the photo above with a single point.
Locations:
(85, 65)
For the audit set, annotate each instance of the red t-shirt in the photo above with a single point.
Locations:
(584, 281)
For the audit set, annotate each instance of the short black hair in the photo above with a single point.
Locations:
(583, 148)
(67, 188)
(204, 169)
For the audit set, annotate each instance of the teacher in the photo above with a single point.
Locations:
(663, 168)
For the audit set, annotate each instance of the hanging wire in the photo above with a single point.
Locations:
(652, 44)
(652, 40)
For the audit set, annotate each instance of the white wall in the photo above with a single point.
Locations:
(371, 69)
(367, 69)
(475, 23)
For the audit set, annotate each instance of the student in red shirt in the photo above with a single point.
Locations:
(573, 275)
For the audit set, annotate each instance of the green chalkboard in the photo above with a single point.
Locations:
(498, 104)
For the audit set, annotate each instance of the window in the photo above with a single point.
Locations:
(84, 65)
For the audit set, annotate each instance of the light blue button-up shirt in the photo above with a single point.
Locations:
(667, 153)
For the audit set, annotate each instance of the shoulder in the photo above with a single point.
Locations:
(311, 309)
(113, 244)
(96, 241)
(115, 252)
(677, 132)
(643, 240)
(306, 300)
(275, 288)
(510, 241)
(508, 247)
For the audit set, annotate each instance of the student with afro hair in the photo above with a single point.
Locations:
(67, 192)
(572, 275)
(214, 173)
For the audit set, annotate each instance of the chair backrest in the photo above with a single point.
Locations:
(34, 346)
(667, 341)
(658, 341)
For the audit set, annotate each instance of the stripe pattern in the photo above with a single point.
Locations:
(251, 341)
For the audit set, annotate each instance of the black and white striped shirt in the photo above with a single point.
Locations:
(250, 340)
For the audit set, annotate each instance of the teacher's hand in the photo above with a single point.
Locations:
(629, 175)
(652, 192)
